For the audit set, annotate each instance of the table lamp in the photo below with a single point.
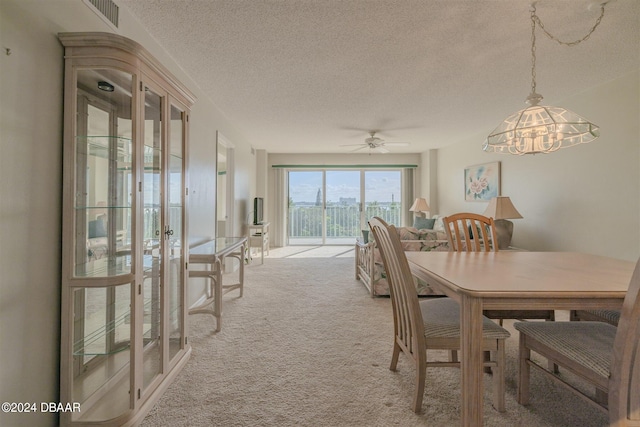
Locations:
(502, 210)
(420, 205)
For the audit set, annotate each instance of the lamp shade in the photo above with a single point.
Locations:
(501, 208)
(420, 205)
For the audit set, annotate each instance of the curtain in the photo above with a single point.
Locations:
(408, 195)
(278, 227)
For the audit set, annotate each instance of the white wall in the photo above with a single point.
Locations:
(31, 117)
(427, 182)
(30, 212)
(584, 198)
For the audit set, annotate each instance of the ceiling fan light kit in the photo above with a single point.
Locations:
(539, 128)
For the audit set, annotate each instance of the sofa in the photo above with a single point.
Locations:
(369, 265)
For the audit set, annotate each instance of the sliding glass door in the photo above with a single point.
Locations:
(342, 206)
(306, 208)
(333, 206)
(383, 196)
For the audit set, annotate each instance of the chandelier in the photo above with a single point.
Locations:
(540, 128)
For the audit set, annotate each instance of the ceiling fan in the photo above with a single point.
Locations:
(373, 143)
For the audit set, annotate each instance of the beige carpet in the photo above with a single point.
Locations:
(307, 346)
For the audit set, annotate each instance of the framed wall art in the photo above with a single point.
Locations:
(482, 182)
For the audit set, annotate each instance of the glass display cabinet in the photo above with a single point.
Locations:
(124, 329)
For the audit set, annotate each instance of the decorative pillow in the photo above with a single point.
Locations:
(424, 223)
(439, 224)
(97, 229)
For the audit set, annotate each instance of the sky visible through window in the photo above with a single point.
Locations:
(380, 186)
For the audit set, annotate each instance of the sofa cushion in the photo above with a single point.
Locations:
(411, 239)
(424, 223)
(410, 236)
(439, 224)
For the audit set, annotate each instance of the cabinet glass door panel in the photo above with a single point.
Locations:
(175, 239)
(103, 151)
(152, 235)
(101, 347)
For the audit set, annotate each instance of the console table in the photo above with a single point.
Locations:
(212, 253)
(259, 238)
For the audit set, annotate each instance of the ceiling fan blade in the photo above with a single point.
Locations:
(375, 143)
(360, 148)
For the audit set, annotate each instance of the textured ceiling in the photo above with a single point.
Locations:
(307, 76)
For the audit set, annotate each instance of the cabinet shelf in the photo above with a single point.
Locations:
(116, 265)
(106, 147)
(90, 344)
(78, 207)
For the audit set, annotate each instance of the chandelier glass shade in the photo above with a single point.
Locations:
(539, 128)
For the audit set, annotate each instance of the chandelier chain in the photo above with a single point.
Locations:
(575, 42)
(535, 19)
(533, 50)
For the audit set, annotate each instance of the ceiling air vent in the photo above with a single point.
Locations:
(105, 9)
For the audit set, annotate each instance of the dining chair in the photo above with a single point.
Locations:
(430, 324)
(605, 356)
(609, 316)
(470, 232)
(477, 233)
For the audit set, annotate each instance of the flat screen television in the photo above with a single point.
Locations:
(258, 210)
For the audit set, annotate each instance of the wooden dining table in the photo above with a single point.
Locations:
(515, 280)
